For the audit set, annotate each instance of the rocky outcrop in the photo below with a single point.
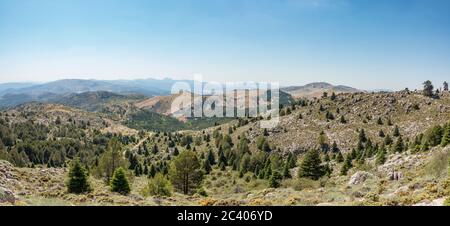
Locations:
(7, 196)
(436, 202)
(359, 177)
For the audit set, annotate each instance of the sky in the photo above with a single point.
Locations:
(383, 44)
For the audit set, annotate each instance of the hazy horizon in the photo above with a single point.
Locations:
(363, 44)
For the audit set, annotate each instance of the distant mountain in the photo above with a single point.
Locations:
(9, 87)
(317, 89)
(163, 104)
(93, 101)
(12, 94)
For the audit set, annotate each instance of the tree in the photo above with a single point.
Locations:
(286, 173)
(152, 171)
(207, 166)
(78, 179)
(434, 135)
(334, 147)
(347, 165)
(428, 88)
(155, 149)
(381, 133)
(274, 180)
(311, 167)
(445, 86)
(111, 159)
(211, 158)
(396, 132)
(388, 140)
(389, 122)
(446, 137)
(381, 156)
(362, 136)
(185, 172)
(342, 120)
(380, 121)
(339, 157)
(333, 96)
(159, 186)
(399, 146)
(329, 115)
(119, 182)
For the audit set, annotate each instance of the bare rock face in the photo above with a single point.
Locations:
(359, 177)
(7, 196)
(436, 202)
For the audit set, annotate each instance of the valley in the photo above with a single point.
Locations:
(334, 145)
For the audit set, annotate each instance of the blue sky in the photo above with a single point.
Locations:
(362, 43)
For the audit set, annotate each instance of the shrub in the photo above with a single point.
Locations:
(159, 186)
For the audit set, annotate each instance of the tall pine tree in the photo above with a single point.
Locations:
(311, 167)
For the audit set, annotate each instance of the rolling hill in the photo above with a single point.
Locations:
(317, 89)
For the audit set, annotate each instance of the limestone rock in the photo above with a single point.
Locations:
(359, 177)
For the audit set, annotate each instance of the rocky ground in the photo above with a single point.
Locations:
(405, 179)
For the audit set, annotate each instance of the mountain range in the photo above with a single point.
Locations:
(61, 91)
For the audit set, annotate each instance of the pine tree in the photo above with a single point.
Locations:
(333, 96)
(206, 166)
(111, 159)
(446, 137)
(381, 156)
(78, 179)
(425, 145)
(211, 158)
(291, 161)
(389, 122)
(380, 121)
(334, 147)
(274, 180)
(339, 157)
(286, 173)
(145, 170)
(152, 171)
(362, 136)
(347, 165)
(445, 86)
(119, 182)
(155, 149)
(381, 133)
(311, 167)
(435, 135)
(329, 115)
(399, 145)
(185, 172)
(428, 88)
(388, 140)
(396, 132)
(343, 120)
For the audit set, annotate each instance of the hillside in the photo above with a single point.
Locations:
(242, 164)
(316, 90)
(94, 101)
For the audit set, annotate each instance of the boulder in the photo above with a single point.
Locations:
(359, 177)
(436, 202)
(7, 196)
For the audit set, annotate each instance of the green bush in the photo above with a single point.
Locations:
(159, 186)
